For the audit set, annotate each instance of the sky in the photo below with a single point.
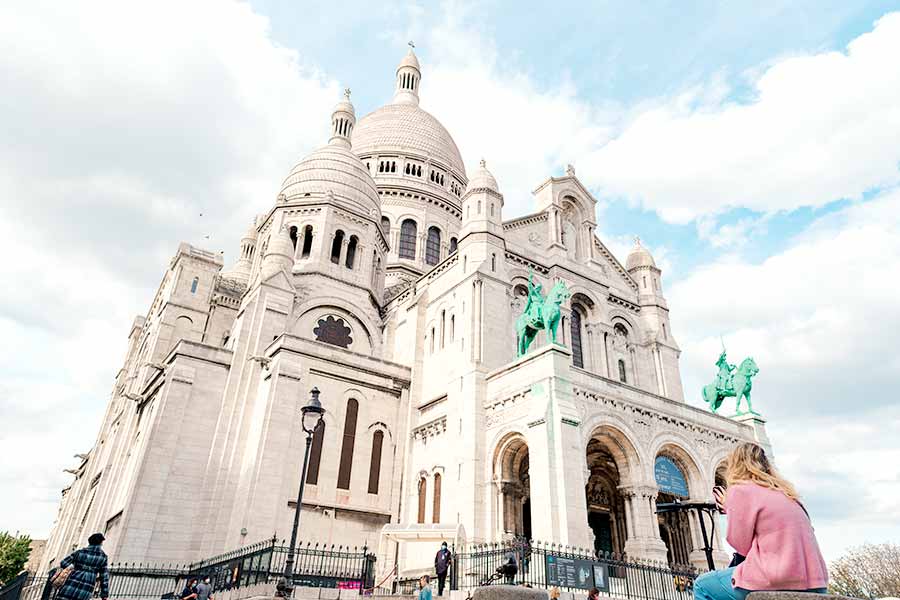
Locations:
(752, 146)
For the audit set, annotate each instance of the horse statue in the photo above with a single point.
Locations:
(539, 313)
(730, 382)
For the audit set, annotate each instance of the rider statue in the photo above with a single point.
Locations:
(725, 378)
(535, 300)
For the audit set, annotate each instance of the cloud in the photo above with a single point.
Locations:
(121, 124)
(821, 320)
(818, 128)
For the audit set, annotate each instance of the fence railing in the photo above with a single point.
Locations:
(315, 565)
(552, 565)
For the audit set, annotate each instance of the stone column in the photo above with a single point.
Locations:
(646, 542)
(590, 328)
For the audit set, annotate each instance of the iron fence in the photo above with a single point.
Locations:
(315, 565)
(569, 569)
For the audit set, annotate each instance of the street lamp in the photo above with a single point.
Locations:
(311, 415)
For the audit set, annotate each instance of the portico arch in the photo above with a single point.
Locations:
(676, 529)
(612, 463)
(512, 485)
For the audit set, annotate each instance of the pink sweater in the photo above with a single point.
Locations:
(775, 535)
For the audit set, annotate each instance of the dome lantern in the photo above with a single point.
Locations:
(343, 119)
(408, 77)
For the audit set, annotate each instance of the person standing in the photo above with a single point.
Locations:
(768, 525)
(190, 590)
(442, 561)
(204, 590)
(88, 564)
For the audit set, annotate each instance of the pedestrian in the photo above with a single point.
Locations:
(190, 590)
(442, 562)
(769, 526)
(424, 588)
(87, 565)
(204, 590)
(510, 566)
(554, 593)
(593, 594)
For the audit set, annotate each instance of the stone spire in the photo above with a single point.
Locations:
(408, 77)
(343, 120)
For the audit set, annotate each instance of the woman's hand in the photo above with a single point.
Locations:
(719, 494)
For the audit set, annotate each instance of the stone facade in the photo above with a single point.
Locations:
(386, 277)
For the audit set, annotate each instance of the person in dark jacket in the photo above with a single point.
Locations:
(88, 564)
(442, 561)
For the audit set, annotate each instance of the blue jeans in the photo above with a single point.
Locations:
(716, 585)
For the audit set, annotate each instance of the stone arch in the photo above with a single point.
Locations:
(676, 447)
(512, 485)
(611, 463)
(621, 442)
(309, 312)
(676, 528)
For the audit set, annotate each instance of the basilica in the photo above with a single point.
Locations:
(385, 275)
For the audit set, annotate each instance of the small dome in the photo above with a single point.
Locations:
(333, 168)
(410, 60)
(251, 230)
(639, 257)
(482, 178)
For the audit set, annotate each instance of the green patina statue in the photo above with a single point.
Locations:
(731, 381)
(539, 314)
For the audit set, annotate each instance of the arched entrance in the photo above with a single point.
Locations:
(671, 472)
(514, 485)
(607, 461)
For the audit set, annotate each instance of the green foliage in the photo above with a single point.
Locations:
(14, 551)
(870, 571)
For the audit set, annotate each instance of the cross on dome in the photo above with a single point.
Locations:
(410, 44)
(347, 93)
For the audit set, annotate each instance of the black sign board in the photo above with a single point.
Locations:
(577, 573)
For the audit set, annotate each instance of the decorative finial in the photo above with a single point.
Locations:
(637, 240)
(347, 93)
(410, 44)
(482, 163)
(570, 170)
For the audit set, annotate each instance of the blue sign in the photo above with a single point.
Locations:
(669, 477)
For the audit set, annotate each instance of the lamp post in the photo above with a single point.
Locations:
(311, 416)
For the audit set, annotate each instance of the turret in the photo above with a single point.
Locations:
(343, 120)
(642, 268)
(279, 253)
(408, 77)
(244, 264)
(482, 204)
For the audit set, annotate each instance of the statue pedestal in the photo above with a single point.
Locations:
(758, 424)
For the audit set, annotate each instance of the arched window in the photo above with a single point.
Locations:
(194, 285)
(183, 326)
(307, 241)
(433, 246)
(493, 262)
(418, 171)
(315, 454)
(453, 244)
(407, 168)
(432, 340)
(443, 326)
(423, 488)
(622, 376)
(336, 246)
(349, 440)
(294, 237)
(375, 461)
(452, 328)
(408, 239)
(351, 252)
(436, 506)
(385, 225)
(492, 209)
(575, 321)
(665, 333)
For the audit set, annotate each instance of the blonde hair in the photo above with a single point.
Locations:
(554, 593)
(748, 463)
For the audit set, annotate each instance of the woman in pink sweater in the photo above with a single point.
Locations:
(768, 525)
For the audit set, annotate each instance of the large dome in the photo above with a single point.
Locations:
(406, 129)
(333, 168)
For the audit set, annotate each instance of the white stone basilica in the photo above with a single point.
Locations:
(387, 277)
